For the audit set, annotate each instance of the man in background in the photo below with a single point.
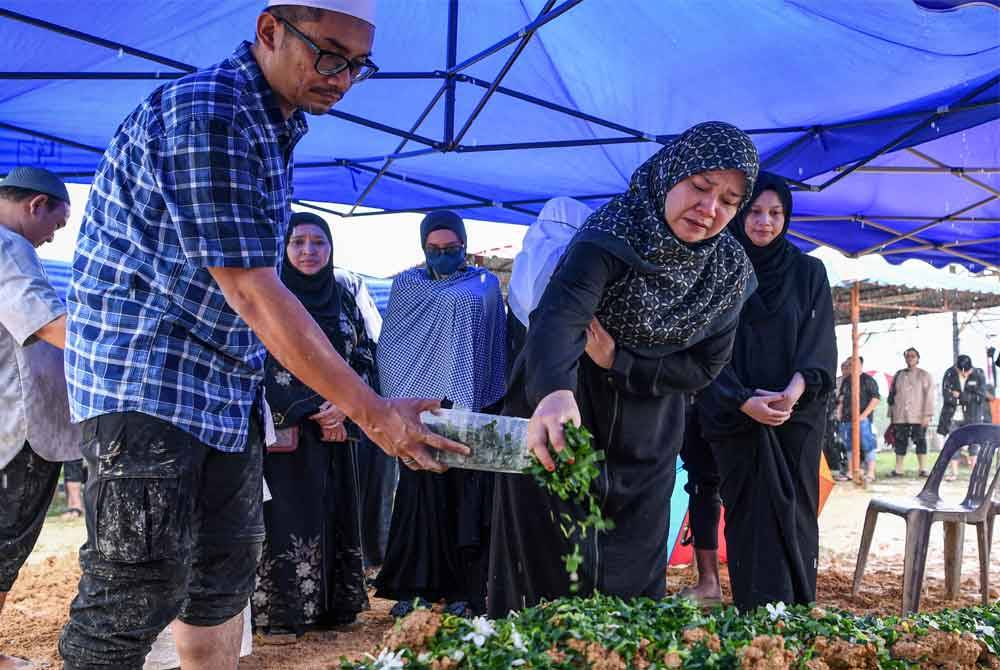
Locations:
(911, 407)
(35, 430)
(870, 399)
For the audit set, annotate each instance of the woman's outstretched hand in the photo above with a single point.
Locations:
(546, 425)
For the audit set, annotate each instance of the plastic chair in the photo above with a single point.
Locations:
(922, 511)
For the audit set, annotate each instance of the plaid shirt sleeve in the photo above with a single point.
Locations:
(213, 187)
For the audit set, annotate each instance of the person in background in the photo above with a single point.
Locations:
(911, 408)
(311, 572)
(833, 447)
(174, 305)
(870, 398)
(963, 393)
(666, 285)
(444, 336)
(36, 435)
(377, 471)
(544, 244)
(765, 414)
(74, 476)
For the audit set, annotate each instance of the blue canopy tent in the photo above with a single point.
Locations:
(493, 107)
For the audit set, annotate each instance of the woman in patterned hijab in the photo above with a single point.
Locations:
(650, 290)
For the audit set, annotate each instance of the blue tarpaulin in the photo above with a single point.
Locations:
(884, 113)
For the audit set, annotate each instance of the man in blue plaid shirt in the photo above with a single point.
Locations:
(174, 296)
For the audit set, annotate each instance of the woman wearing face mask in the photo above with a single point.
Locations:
(665, 288)
(311, 573)
(765, 414)
(444, 335)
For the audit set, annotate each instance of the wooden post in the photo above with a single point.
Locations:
(856, 471)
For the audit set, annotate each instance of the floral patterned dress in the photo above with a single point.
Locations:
(311, 574)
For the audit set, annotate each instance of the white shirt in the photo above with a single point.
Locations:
(34, 406)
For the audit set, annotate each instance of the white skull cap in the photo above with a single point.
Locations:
(360, 9)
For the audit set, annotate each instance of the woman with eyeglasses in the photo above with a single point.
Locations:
(443, 337)
(311, 573)
(666, 286)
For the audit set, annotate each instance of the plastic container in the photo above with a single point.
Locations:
(498, 443)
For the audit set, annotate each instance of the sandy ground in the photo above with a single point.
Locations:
(37, 607)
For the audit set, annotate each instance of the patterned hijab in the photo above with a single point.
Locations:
(674, 291)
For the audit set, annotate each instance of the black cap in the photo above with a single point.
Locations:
(36, 179)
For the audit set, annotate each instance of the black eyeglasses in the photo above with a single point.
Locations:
(433, 251)
(329, 63)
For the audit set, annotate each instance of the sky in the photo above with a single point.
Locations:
(381, 246)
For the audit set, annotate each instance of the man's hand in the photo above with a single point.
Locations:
(399, 432)
(762, 409)
(600, 345)
(546, 425)
(54, 332)
(291, 335)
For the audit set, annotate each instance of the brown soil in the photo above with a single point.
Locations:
(37, 607)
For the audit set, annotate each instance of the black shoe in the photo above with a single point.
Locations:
(460, 608)
(404, 607)
(924, 474)
(893, 473)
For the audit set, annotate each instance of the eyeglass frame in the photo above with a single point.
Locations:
(321, 53)
(433, 250)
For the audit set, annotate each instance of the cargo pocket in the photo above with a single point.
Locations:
(138, 519)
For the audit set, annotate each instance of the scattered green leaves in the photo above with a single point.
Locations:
(577, 466)
(608, 632)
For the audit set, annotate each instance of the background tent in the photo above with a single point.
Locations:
(493, 107)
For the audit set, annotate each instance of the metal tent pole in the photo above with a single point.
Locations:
(909, 133)
(855, 400)
(935, 222)
(525, 37)
(451, 56)
(51, 138)
(383, 127)
(389, 160)
(93, 39)
(514, 37)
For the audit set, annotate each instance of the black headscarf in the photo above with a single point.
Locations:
(772, 263)
(675, 290)
(318, 293)
(444, 219)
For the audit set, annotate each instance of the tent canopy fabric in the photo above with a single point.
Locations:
(494, 107)
(898, 291)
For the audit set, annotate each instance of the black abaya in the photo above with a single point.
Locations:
(770, 476)
(447, 559)
(311, 573)
(636, 413)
